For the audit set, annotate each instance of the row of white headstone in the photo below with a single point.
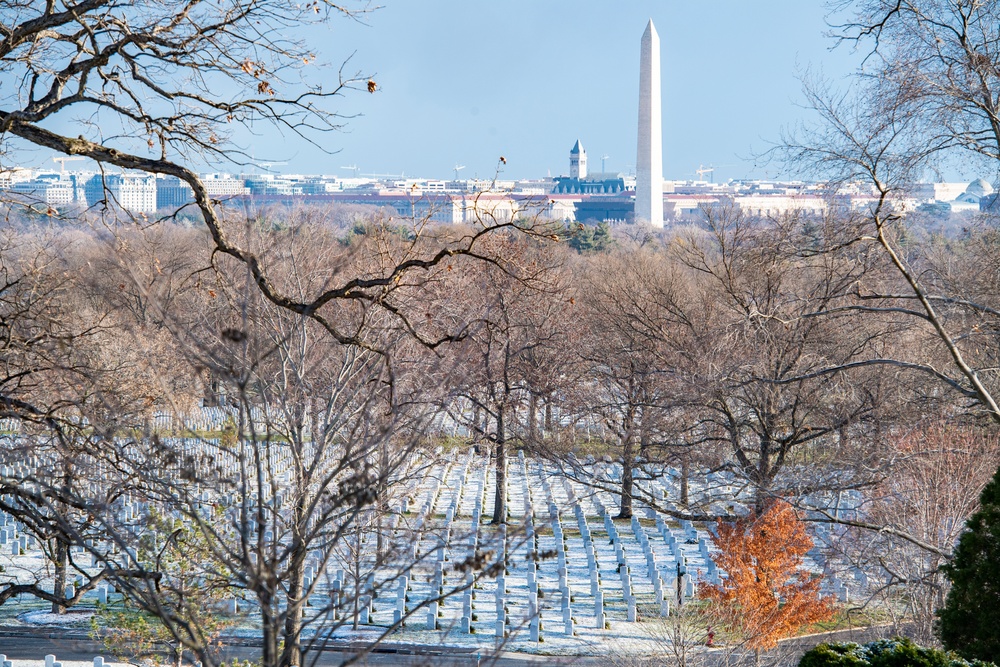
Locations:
(671, 571)
(662, 590)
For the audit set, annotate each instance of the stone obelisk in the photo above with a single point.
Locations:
(649, 157)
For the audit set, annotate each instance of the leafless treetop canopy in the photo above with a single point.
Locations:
(154, 81)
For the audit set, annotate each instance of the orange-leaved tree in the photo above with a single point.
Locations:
(767, 595)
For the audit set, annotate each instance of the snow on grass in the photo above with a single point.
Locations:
(71, 617)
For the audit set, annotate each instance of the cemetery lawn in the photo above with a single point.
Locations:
(848, 619)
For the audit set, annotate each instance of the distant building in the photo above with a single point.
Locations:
(270, 184)
(596, 184)
(224, 185)
(777, 205)
(975, 192)
(975, 196)
(441, 207)
(938, 191)
(580, 182)
(53, 189)
(989, 203)
(12, 175)
(605, 209)
(172, 192)
(680, 207)
(130, 192)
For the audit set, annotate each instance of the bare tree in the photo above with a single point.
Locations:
(939, 470)
(939, 60)
(929, 95)
(179, 84)
(188, 525)
(766, 381)
(512, 314)
(54, 372)
(318, 430)
(626, 374)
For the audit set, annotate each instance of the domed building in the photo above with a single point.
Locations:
(977, 190)
(979, 195)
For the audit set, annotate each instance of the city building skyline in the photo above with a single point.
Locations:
(596, 197)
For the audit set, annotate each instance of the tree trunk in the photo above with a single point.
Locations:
(500, 499)
(644, 436)
(626, 495)
(532, 419)
(685, 474)
(680, 645)
(765, 474)
(59, 576)
(628, 458)
(357, 574)
(382, 505)
(269, 650)
(292, 653)
(61, 551)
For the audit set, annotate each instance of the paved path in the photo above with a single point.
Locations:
(35, 645)
(36, 648)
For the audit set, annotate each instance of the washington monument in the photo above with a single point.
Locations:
(649, 157)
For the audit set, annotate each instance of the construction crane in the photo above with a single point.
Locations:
(63, 160)
(702, 170)
(265, 165)
(354, 168)
(458, 168)
(603, 159)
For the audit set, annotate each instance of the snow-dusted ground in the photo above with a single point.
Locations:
(463, 486)
(71, 617)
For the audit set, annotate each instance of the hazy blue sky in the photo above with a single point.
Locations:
(465, 81)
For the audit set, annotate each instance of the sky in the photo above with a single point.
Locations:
(462, 82)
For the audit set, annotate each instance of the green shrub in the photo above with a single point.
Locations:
(896, 652)
(835, 655)
(904, 653)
